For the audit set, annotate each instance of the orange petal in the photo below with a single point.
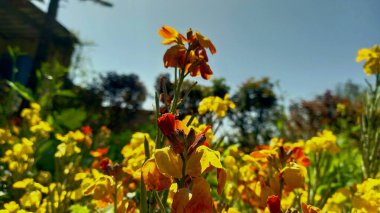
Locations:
(153, 179)
(222, 178)
(201, 201)
(167, 32)
(180, 200)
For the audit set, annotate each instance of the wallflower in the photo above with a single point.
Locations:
(338, 201)
(31, 199)
(371, 56)
(19, 157)
(196, 200)
(324, 142)
(191, 60)
(309, 208)
(10, 207)
(32, 114)
(293, 176)
(200, 128)
(216, 105)
(6, 136)
(42, 128)
(170, 35)
(274, 204)
(67, 149)
(185, 160)
(134, 154)
(367, 196)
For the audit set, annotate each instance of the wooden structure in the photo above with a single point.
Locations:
(22, 25)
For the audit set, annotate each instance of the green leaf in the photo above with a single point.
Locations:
(79, 209)
(71, 118)
(22, 90)
(66, 93)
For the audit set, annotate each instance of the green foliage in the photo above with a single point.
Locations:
(77, 208)
(22, 90)
(70, 118)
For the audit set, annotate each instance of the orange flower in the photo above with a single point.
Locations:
(199, 200)
(274, 204)
(205, 42)
(99, 152)
(192, 59)
(170, 35)
(167, 124)
(309, 208)
(175, 56)
(293, 176)
(153, 179)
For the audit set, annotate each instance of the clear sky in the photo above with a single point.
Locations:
(308, 45)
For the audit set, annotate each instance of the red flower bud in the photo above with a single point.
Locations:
(104, 164)
(274, 204)
(167, 124)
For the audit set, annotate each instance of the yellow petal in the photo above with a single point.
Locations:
(201, 159)
(168, 162)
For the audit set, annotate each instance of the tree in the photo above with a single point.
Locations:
(122, 91)
(336, 110)
(256, 112)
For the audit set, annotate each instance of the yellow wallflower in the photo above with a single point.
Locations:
(216, 105)
(32, 114)
(42, 128)
(67, 149)
(324, 142)
(10, 207)
(134, 154)
(372, 58)
(6, 136)
(367, 196)
(199, 128)
(31, 199)
(19, 157)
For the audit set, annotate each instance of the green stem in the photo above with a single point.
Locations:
(115, 197)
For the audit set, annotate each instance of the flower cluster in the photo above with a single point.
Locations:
(371, 56)
(183, 162)
(215, 104)
(324, 142)
(192, 59)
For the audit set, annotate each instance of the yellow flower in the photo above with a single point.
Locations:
(367, 196)
(199, 128)
(324, 142)
(372, 58)
(22, 184)
(337, 201)
(134, 154)
(11, 207)
(43, 128)
(67, 149)
(6, 136)
(31, 199)
(293, 176)
(216, 105)
(32, 114)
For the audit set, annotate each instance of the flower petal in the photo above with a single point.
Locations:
(201, 159)
(168, 162)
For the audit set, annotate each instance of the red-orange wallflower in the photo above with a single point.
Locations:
(192, 59)
(274, 204)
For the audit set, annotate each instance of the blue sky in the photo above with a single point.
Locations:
(308, 45)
